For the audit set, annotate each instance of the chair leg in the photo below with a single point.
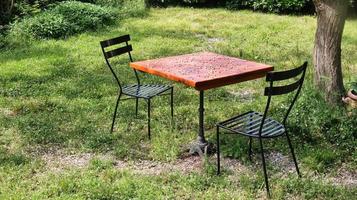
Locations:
(218, 153)
(149, 118)
(136, 106)
(115, 113)
(264, 167)
(292, 152)
(250, 149)
(172, 104)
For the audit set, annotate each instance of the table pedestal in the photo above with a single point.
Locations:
(201, 145)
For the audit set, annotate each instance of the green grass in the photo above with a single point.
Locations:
(60, 93)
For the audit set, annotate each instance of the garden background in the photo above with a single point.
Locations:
(57, 97)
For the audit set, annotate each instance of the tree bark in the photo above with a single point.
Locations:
(331, 17)
(6, 6)
(5, 10)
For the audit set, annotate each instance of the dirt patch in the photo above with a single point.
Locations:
(285, 165)
(243, 95)
(214, 40)
(56, 160)
(282, 162)
(344, 177)
(148, 167)
(7, 112)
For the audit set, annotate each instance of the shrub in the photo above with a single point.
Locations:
(113, 3)
(276, 6)
(161, 3)
(25, 8)
(83, 16)
(239, 4)
(48, 25)
(164, 3)
(3, 33)
(279, 6)
(64, 19)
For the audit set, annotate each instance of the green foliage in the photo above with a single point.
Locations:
(64, 19)
(113, 3)
(315, 120)
(7, 158)
(3, 40)
(83, 16)
(276, 6)
(161, 3)
(25, 8)
(353, 85)
(165, 3)
(320, 159)
(239, 4)
(47, 25)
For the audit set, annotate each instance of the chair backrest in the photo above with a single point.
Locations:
(272, 90)
(127, 48)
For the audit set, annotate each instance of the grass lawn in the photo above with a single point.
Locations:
(57, 99)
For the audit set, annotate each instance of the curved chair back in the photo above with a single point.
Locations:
(127, 48)
(272, 90)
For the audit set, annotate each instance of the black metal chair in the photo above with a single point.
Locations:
(255, 125)
(135, 91)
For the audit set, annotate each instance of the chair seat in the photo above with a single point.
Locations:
(144, 91)
(249, 124)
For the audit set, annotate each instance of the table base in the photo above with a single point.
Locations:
(201, 149)
(201, 146)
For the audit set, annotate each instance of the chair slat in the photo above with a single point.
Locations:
(250, 119)
(283, 75)
(247, 114)
(278, 90)
(267, 124)
(114, 41)
(273, 131)
(118, 51)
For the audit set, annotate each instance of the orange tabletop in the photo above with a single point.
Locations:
(204, 70)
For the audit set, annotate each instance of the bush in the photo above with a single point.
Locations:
(83, 16)
(353, 7)
(161, 3)
(25, 8)
(2, 38)
(48, 25)
(276, 6)
(239, 4)
(165, 3)
(64, 19)
(113, 3)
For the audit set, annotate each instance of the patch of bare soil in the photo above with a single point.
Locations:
(57, 160)
(7, 112)
(243, 95)
(148, 167)
(344, 177)
(285, 165)
(282, 162)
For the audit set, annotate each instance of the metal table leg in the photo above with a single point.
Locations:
(201, 145)
(201, 131)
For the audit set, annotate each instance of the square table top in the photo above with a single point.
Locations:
(204, 70)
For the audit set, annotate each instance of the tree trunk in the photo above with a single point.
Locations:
(331, 16)
(5, 10)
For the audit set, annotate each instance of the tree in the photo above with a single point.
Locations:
(331, 17)
(5, 10)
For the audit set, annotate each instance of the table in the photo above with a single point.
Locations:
(203, 71)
